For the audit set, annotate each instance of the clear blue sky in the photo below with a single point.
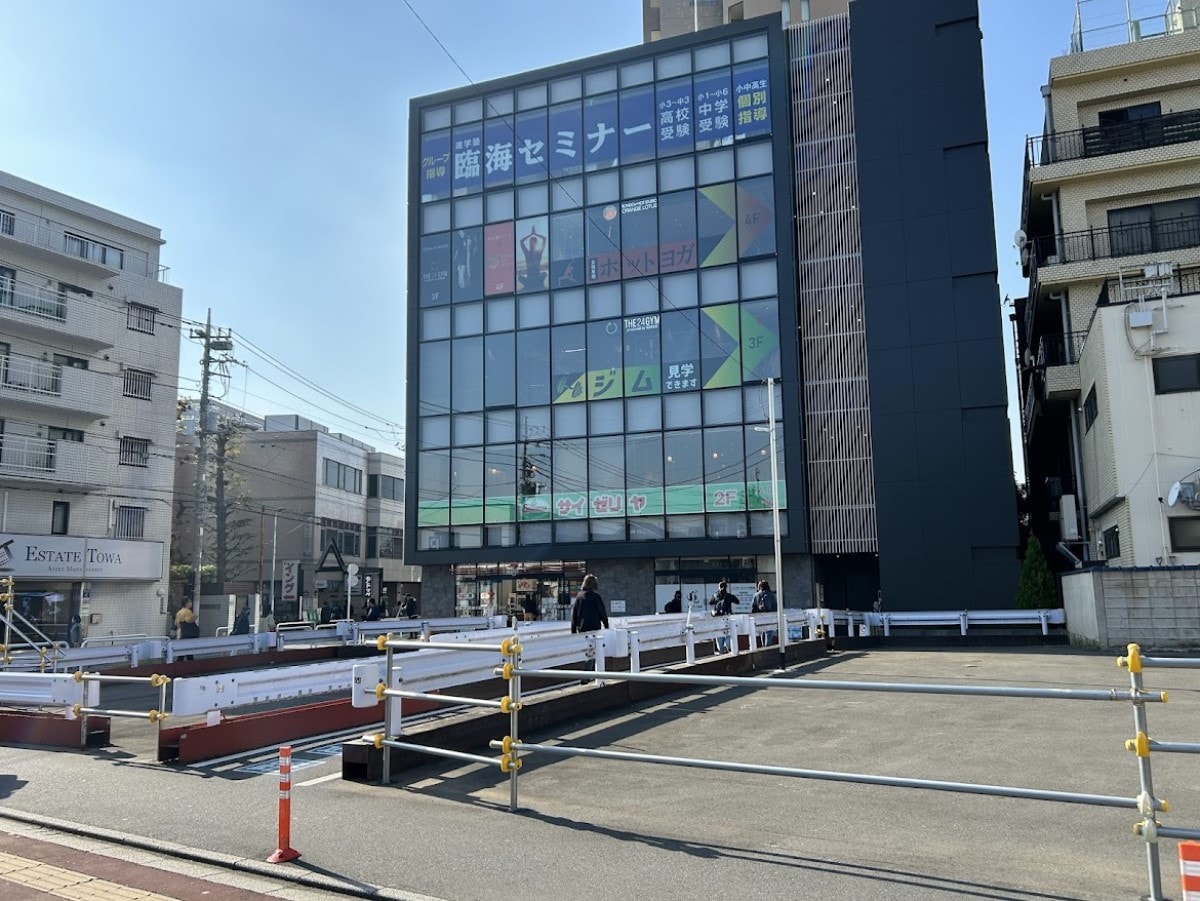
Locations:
(267, 139)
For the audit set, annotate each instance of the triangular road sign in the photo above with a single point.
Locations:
(337, 565)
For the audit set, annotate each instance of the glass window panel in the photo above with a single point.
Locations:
(570, 420)
(468, 110)
(754, 159)
(723, 407)
(566, 139)
(433, 488)
(680, 351)
(759, 279)
(468, 429)
(468, 374)
(531, 200)
(467, 262)
(751, 47)
(533, 367)
(568, 363)
(435, 217)
(435, 270)
(641, 296)
(501, 315)
(751, 100)
(500, 363)
(720, 346)
(675, 64)
(534, 425)
(758, 469)
(674, 117)
(599, 82)
(760, 340)
(611, 528)
(719, 285)
(725, 525)
(566, 249)
(534, 533)
(499, 104)
(435, 377)
(568, 306)
(435, 323)
(468, 319)
(712, 55)
(639, 237)
(600, 132)
(566, 194)
(605, 376)
(685, 526)
(531, 96)
(604, 301)
(501, 426)
(533, 253)
(644, 476)
(436, 167)
(643, 414)
(500, 536)
(676, 174)
(603, 243)
(606, 417)
(572, 531)
(643, 363)
(683, 471)
(435, 431)
(438, 117)
(603, 187)
(529, 147)
(647, 528)
(499, 260)
(677, 232)
(570, 472)
(533, 311)
(763, 523)
(637, 73)
(681, 410)
(715, 166)
(500, 483)
(498, 161)
(637, 125)
(637, 180)
(714, 112)
(716, 225)
(606, 469)
(754, 403)
(468, 211)
(466, 160)
(756, 216)
(500, 206)
(678, 291)
(566, 89)
(466, 536)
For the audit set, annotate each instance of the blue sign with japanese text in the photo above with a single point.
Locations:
(497, 153)
(751, 101)
(637, 125)
(531, 146)
(435, 166)
(467, 176)
(713, 108)
(673, 117)
(600, 132)
(566, 139)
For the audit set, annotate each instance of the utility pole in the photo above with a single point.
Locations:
(212, 343)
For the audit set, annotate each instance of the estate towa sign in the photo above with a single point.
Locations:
(92, 559)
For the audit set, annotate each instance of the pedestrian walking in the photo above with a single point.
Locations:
(589, 613)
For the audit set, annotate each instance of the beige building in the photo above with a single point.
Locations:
(1109, 336)
(668, 18)
(89, 360)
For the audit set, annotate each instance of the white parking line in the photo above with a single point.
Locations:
(319, 780)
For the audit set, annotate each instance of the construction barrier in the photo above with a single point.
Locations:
(1189, 870)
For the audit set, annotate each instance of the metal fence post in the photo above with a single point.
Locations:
(1140, 745)
(387, 709)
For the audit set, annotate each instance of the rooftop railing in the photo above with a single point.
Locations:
(1105, 140)
(1131, 26)
(65, 239)
(1117, 241)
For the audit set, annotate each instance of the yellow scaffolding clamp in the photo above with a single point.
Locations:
(1132, 662)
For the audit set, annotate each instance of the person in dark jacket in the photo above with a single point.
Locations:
(764, 601)
(675, 605)
(241, 623)
(722, 602)
(589, 613)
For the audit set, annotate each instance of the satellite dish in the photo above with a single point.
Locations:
(1173, 494)
(1020, 239)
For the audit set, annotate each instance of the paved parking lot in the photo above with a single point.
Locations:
(591, 829)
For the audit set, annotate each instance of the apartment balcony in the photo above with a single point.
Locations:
(50, 316)
(38, 385)
(1139, 239)
(1031, 405)
(53, 463)
(1058, 359)
(1044, 151)
(63, 245)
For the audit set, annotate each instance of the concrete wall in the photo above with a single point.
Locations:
(1156, 607)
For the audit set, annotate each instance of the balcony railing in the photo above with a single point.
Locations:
(52, 385)
(1087, 35)
(1118, 241)
(64, 239)
(43, 459)
(30, 374)
(1104, 140)
(1061, 350)
(1180, 281)
(41, 302)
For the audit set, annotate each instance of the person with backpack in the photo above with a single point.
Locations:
(722, 603)
(764, 602)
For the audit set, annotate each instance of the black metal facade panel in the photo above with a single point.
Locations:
(780, 142)
(942, 463)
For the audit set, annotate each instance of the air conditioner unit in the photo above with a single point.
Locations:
(1068, 521)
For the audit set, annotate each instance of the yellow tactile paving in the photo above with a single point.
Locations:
(67, 883)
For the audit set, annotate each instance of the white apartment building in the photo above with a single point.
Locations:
(89, 361)
(1109, 336)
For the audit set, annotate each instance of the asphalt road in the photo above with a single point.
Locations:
(594, 829)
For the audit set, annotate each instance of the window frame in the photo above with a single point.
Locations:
(1173, 527)
(63, 509)
(342, 474)
(132, 450)
(138, 314)
(130, 522)
(1091, 410)
(1112, 542)
(1159, 362)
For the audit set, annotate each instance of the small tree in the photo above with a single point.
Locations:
(1036, 588)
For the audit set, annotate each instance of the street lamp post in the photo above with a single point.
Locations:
(781, 616)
